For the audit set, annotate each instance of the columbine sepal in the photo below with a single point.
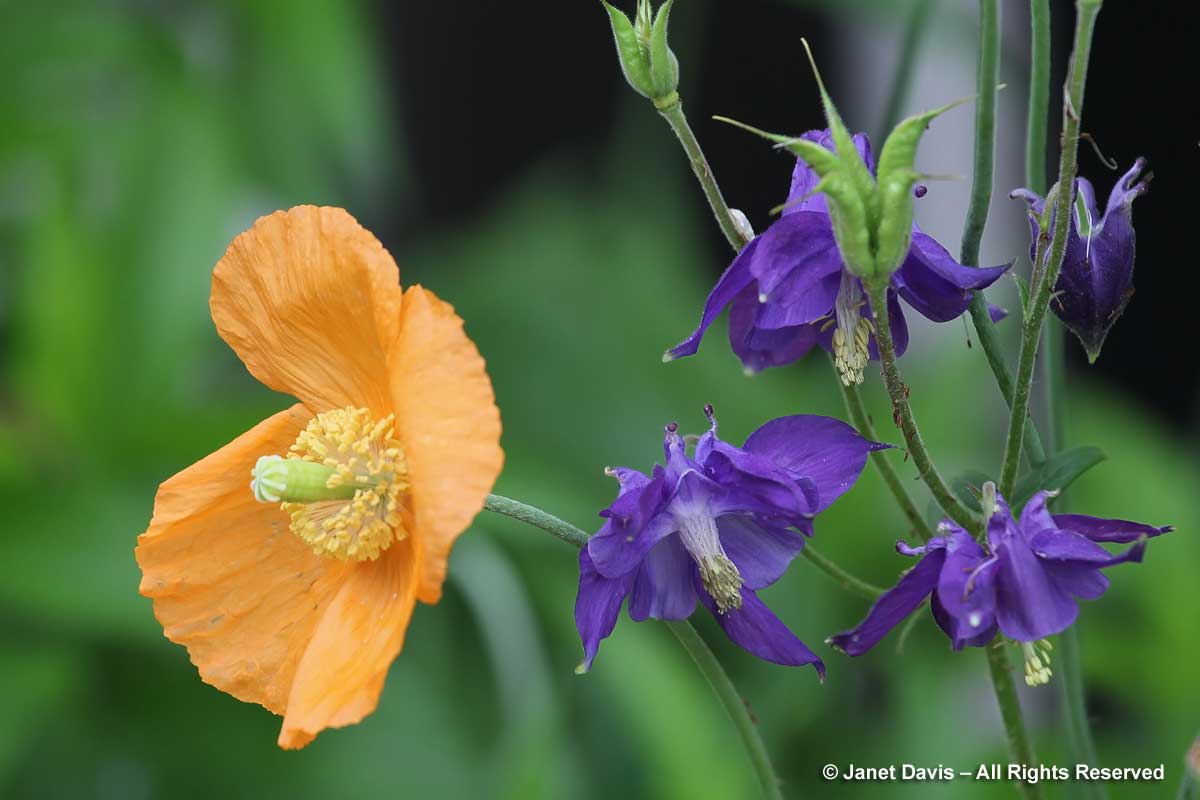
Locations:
(649, 65)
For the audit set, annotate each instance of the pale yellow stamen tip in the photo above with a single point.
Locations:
(722, 581)
(851, 353)
(1037, 662)
(356, 513)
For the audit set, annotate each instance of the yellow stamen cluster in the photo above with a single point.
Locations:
(722, 581)
(851, 353)
(1037, 662)
(365, 456)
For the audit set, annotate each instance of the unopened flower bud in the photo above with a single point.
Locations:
(647, 61)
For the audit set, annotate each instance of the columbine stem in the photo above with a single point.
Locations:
(843, 578)
(1039, 96)
(675, 117)
(914, 32)
(898, 391)
(1085, 23)
(1019, 746)
(727, 693)
(981, 192)
(862, 421)
(683, 630)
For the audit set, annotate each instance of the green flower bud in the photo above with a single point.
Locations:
(647, 61)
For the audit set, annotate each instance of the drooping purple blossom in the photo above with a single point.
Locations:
(1024, 584)
(1096, 279)
(716, 526)
(788, 289)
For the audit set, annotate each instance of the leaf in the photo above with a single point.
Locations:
(1058, 472)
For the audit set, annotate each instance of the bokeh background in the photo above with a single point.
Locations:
(496, 151)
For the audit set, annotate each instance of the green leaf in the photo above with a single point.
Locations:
(1058, 472)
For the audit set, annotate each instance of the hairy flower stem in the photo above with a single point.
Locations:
(903, 416)
(722, 687)
(981, 193)
(1019, 745)
(862, 421)
(1085, 23)
(735, 707)
(844, 579)
(675, 117)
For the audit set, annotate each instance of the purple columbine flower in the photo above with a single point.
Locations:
(717, 526)
(1096, 279)
(788, 289)
(1024, 583)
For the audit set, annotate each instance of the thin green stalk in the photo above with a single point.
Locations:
(721, 685)
(1039, 96)
(985, 130)
(1020, 747)
(675, 117)
(1085, 23)
(844, 579)
(898, 391)
(862, 421)
(733, 704)
(914, 32)
(988, 77)
(530, 515)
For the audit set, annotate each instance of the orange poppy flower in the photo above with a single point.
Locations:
(295, 591)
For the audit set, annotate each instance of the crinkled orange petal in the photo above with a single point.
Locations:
(310, 301)
(229, 579)
(360, 634)
(448, 424)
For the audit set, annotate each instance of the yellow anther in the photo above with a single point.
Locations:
(365, 459)
(1037, 662)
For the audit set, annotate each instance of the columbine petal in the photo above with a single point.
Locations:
(1108, 530)
(1030, 605)
(827, 451)
(761, 551)
(893, 605)
(632, 528)
(759, 632)
(804, 180)
(966, 591)
(792, 259)
(759, 348)
(664, 586)
(934, 284)
(736, 278)
(597, 606)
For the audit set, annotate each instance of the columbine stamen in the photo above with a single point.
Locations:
(718, 573)
(852, 337)
(341, 483)
(1037, 662)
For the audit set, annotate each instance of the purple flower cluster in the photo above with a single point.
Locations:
(788, 290)
(714, 527)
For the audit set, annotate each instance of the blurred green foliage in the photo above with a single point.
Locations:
(135, 141)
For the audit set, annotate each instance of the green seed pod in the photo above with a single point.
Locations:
(848, 213)
(664, 67)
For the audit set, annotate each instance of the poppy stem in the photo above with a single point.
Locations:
(1085, 23)
(903, 416)
(712, 670)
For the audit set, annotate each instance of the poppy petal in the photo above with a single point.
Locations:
(228, 578)
(448, 425)
(310, 302)
(341, 675)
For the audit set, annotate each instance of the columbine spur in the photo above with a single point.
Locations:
(1024, 583)
(1096, 279)
(717, 526)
